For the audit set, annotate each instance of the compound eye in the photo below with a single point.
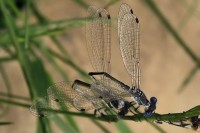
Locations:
(153, 99)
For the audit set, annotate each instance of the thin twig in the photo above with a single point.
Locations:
(173, 117)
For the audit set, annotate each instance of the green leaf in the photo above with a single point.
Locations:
(43, 126)
(38, 15)
(5, 123)
(22, 54)
(188, 79)
(63, 125)
(71, 64)
(4, 108)
(40, 79)
(123, 128)
(97, 123)
(36, 83)
(189, 13)
(14, 96)
(51, 59)
(72, 123)
(28, 2)
(45, 52)
(7, 59)
(156, 127)
(14, 103)
(12, 6)
(41, 30)
(81, 3)
(151, 4)
(111, 2)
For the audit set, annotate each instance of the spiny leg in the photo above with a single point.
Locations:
(136, 109)
(99, 111)
(92, 74)
(131, 104)
(81, 83)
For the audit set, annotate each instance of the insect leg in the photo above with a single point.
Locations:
(81, 83)
(136, 109)
(131, 103)
(92, 74)
(124, 86)
(99, 111)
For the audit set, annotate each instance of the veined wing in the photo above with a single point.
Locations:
(40, 107)
(128, 25)
(98, 38)
(86, 99)
(83, 102)
(63, 93)
(59, 95)
(124, 9)
(79, 97)
(109, 92)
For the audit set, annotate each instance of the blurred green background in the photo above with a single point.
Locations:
(43, 42)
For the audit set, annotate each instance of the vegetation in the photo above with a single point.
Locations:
(23, 43)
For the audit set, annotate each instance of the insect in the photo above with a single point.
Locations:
(69, 95)
(128, 32)
(190, 123)
(99, 49)
(84, 96)
(105, 89)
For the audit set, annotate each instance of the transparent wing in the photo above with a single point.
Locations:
(87, 99)
(129, 42)
(83, 102)
(124, 9)
(79, 97)
(98, 38)
(62, 93)
(109, 92)
(40, 107)
(59, 94)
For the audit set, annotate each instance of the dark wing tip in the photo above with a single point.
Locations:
(41, 115)
(57, 100)
(82, 110)
(131, 11)
(100, 15)
(109, 16)
(137, 20)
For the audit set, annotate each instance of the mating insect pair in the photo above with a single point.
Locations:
(106, 91)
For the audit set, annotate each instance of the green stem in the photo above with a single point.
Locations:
(81, 3)
(26, 23)
(188, 78)
(70, 63)
(8, 88)
(105, 130)
(14, 96)
(14, 103)
(42, 30)
(5, 123)
(49, 57)
(151, 4)
(173, 117)
(5, 59)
